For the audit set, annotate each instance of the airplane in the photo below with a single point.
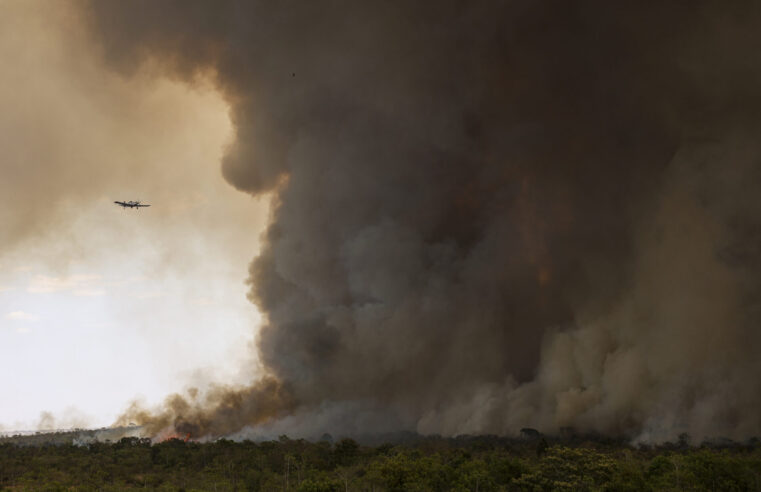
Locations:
(131, 204)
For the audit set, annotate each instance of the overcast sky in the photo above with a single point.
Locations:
(100, 305)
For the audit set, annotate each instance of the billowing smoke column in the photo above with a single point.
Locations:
(488, 215)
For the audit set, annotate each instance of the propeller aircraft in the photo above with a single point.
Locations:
(132, 204)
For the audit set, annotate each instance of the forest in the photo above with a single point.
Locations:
(414, 463)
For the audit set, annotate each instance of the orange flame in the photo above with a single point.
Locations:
(173, 435)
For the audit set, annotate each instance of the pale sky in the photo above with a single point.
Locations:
(100, 305)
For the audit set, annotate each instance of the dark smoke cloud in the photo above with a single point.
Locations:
(221, 411)
(488, 215)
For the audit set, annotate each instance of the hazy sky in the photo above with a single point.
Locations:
(486, 216)
(99, 305)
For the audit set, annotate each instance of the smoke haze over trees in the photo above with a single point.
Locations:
(487, 215)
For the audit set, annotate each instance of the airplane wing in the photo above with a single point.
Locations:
(141, 205)
(122, 204)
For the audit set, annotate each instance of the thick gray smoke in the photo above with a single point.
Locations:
(489, 215)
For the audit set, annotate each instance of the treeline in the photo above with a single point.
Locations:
(478, 464)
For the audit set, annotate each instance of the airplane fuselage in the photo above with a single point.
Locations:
(131, 204)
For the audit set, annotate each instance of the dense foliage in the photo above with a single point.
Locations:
(480, 464)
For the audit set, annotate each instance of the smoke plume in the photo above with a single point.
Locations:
(487, 215)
